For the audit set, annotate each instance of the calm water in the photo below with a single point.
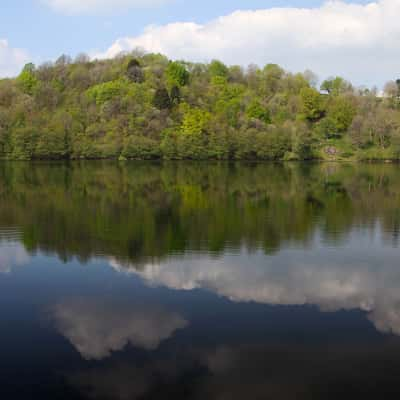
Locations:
(194, 281)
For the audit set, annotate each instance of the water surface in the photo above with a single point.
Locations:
(194, 281)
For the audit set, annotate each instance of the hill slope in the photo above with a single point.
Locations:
(147, 107)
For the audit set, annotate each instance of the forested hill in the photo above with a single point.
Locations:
(146, 107)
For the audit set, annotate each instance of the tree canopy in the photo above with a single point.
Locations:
(144, 106)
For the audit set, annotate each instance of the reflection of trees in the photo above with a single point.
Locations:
(138, 212)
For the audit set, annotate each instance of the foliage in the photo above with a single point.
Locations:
(134, 71)
(256, 111)
(313, 106)
(144, 106)
(27, 80)
(161, 99)
(336, 86)
(194, 121)
(217, 68)
(106, 91)
(176, 74)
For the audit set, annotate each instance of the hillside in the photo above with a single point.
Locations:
(144, 106)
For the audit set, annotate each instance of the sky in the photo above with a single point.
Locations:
(359, 40)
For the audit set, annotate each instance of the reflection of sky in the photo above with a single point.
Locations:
(257, 371)
(360, 274)
(12, 255)
(98, 328)
(126, 334)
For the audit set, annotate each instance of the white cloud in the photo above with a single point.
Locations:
(71, 7)
(96, 329)
(360, 42)
(11, 60)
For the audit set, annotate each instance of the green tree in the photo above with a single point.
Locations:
(336, 86)
(106, 91)
(27, 80)
(341, 112)
(218, 69)
(176, 75)
(256, 111)
(194, 121)
(313, 107)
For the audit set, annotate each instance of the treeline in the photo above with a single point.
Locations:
(144, 106)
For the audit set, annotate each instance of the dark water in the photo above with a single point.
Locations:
(193, 281)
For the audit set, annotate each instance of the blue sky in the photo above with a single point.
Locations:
(44, 29)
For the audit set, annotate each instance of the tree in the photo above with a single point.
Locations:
(391, 89)
(63, 60)
(106, 91)
(336, 86)
(161, 99)
(134, 71)
(194, 121)
(27, 80)
(256, 111)
(175, 95)
(82, 58)
(272, 75)
(313, 105)
(217, 68)
(176, 75)
(341, 112)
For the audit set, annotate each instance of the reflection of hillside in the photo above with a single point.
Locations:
(141, 212)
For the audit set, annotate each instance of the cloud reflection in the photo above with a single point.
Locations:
(353, 278)
(12, 255)
(98, 328)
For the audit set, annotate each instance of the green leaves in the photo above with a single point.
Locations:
(218, 69)
(106, 91)
(27, 80)
(176, 75)
(194, 121)
(313, 104)
(256, 111)
(336, 86)
(146, 106)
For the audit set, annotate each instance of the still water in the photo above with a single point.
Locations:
(193, 281)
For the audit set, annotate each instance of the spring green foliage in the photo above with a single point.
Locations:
(106, 92)
(27, 80)
(148, 107)
(256, 110)
(217, 68)
(176, 75)
(335, 86)
(313, 104)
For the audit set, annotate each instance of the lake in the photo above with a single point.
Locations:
(199, 281)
